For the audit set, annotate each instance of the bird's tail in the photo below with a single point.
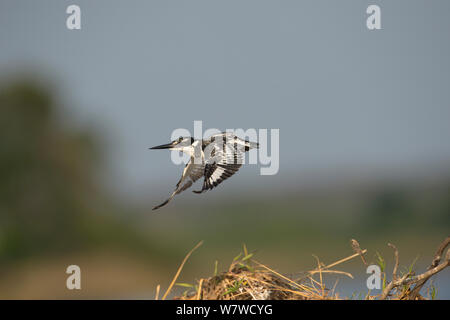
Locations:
(253, 145)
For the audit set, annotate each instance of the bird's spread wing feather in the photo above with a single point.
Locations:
(224, 155)
(216, 173)
(191, 173)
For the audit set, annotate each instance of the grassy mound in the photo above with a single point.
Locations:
(248, 279)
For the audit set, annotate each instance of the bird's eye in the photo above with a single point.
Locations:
(180, 139)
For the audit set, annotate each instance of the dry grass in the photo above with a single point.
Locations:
(248, 279)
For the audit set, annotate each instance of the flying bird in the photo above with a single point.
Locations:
(216, 159)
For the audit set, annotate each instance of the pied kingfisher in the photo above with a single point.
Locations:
(216, 159)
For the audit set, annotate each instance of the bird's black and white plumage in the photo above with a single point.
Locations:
(215, 159)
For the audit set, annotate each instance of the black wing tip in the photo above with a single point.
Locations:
(161, 205)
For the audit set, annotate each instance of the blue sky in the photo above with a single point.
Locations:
(341, 95)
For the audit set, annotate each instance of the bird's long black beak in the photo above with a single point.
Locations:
(163, 146)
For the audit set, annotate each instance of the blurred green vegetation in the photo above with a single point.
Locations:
(50, 199)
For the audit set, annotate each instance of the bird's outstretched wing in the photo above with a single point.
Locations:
(224, 155)
(191, 173)
(216, 173)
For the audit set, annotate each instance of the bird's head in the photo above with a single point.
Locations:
(181, 144)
